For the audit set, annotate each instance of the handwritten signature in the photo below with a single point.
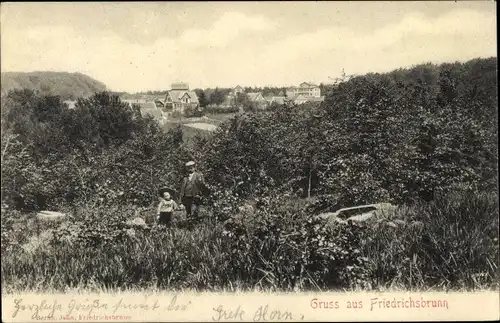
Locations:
(262, 314)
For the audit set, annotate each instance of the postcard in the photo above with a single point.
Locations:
(249, 161)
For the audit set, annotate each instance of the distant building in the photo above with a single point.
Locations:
(134, 101)
(276, 100)
(237, 90)
(301, 99)
(258, 99)
(305, 89)
(178, 99)
(230, 99)
(305, 92)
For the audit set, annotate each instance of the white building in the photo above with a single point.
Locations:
(305, 89)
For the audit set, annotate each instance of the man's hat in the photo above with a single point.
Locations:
(166, 189)
(190, 163)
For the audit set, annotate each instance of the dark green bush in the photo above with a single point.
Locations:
(395, 137)
(102, 152)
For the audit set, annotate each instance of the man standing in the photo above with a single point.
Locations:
(193, 186)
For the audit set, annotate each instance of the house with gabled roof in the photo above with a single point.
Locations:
(179, 98)
(237, 90)
(276, 100)
(230, 99)
(258, 99)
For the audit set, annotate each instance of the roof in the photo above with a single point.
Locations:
(176, 95)
(149, 108)
(307, 84)
(159, 103)
(316, 98)
(180, 86)
(277, 99)
(254, 95)
(309, 98)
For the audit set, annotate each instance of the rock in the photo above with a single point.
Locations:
(371, 211)
(362, 217)
(137, 222)
(50, 215)
(327, 215)
(366, 212)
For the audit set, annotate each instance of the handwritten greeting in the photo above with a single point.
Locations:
(94, 309)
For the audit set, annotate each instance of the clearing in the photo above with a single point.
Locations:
(201, 126)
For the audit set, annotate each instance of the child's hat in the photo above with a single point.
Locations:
(165, 189)
(190, 163)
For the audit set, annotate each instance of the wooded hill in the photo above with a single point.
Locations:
(69, 86)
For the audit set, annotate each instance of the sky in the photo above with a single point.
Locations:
(141, 46)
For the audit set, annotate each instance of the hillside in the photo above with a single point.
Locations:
(67, 85)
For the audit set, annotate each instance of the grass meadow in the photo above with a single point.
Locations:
(449, 244)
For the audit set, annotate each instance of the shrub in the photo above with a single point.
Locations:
(282, 246)
(394, 137)
(102, 136)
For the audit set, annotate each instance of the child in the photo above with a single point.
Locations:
(166, 207)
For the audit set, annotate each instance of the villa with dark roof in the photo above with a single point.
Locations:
(178, 99)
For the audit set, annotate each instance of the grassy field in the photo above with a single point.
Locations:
(450, 244)
(221, 117)
(188, 132)
(191, 132)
